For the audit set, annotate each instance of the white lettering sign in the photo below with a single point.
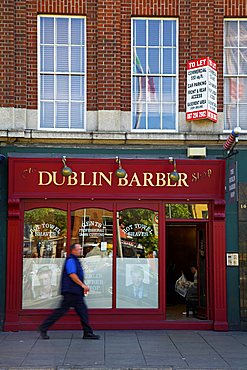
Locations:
(201, 90)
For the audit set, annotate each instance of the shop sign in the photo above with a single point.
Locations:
(91, 228)
(232, 259)
(232, 182)
(242, 202)
(89, 179)
(45, 230)
(201, 90)
(138, 230)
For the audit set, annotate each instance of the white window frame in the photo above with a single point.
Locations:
(62, 73)
(176, 75)
(232, 76)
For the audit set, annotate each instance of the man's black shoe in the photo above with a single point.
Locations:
(43, 333)
(91, 336)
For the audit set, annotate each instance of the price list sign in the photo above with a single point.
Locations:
(201, 90)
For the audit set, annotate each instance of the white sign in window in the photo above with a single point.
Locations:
(201, 90)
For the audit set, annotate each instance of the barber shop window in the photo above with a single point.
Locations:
(62, 72)
(235, 74)
(154, 74)
(92, 228)
(137, 262)
(186, 211)
(44, 250)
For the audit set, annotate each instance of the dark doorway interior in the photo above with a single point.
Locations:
(181, 254)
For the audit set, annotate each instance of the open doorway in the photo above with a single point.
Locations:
(186, 255)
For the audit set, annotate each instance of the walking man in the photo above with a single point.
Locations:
(73, 290)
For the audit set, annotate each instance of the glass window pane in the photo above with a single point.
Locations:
(47, 87)
(154, 89)
(77, 31)
(231, 33)
(46, 30)
(62, 90)
(139, 89)
(139, 116)
(168, 89)
(137, 263)
(62, 30)
(62, 115)
(242, 89)
(185, 211)
(139, 32)
(230, 116)
(230, 90)
(154, 33)
(168, 116)
(77, 87)
(242, 61)
(62, 59)
(139, 61)
(44, 249)
(169, 33)
(77, 116)
(77, 59)
(169, 61)
(46, 58)
(46, 115)
(231, 61)
(243, 33)
(242, 116)
(93, 229)
(154, 116)
(154, 62)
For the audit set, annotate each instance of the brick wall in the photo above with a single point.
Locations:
(108, 44)
(7, 53)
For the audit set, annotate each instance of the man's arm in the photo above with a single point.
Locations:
(76, 279)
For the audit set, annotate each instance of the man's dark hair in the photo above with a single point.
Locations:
(73, 246)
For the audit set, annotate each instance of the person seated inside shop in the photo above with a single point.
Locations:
(192, 293)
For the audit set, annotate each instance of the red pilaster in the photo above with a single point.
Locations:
(219, 267)
(14, 265)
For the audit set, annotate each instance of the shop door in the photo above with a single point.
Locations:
(202, 271)
(186, 254)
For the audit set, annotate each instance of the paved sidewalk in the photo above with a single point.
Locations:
(160, 349)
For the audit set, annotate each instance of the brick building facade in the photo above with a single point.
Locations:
(107, 129)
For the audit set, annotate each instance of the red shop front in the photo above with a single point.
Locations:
(138, 235)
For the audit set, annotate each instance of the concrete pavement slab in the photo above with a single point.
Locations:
(125, 350)
(22, 335)
(7, 360)
(209, 362)
(60, 334)
(43, 359)
(171, 361)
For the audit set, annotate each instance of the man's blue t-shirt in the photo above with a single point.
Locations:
(70, 266)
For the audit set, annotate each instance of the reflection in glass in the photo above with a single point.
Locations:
(62, 55)
(139, 34)
(235, 66)
(93, 229)
(154, 57)
(44, 249)
(243, 33)
(230, 115)
(231, 33)
(190, 211)
(137, 263)
(231, 61)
